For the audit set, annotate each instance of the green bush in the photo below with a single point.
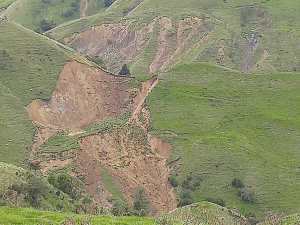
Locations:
(124, 71)
(173, 181)
(246, 195)
(186, 197)
(238, 183)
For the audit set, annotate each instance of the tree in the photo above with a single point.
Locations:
(107, 3)
(124, 70)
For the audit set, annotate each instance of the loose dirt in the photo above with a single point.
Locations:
(132, 156)
(83, 95)
(120, 43)
(117, 43)
(132, 164)
(252, 41)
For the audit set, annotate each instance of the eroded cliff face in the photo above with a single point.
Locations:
(117, 43)
(120, 43)
(132, 156)
(83, 95)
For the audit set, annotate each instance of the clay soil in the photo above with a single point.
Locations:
(132, 156)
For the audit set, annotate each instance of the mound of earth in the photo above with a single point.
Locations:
(134, 158)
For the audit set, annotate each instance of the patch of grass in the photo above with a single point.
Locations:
(111, 186)
(13, 215)
(233, 125)
(29, 13)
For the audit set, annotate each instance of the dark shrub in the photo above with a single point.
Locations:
(238, 183)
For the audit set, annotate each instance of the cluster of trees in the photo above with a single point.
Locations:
(186, 188)
(75, 6)
(45, 25)
(107, 3)
(244, 194)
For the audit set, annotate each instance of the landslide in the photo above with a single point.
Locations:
(133, 157)
(125, 42)
(83, 95)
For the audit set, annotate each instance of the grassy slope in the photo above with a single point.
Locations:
(29, 13)
(29, 67)
(233, 125)
(30, 216)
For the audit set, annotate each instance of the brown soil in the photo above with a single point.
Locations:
(169, 44)
(133, 164)
(119, 43)
(115, 43)
(83, 95)
(133, 157)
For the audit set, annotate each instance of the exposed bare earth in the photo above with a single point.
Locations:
(133, 157)
(120, 43)
(83, 95)
(115, 43)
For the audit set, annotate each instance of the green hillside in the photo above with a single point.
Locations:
(46, 14)
(29, 67)
(275, 21)
(232, 125)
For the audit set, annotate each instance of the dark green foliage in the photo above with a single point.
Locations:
(218, 201)
(45, 26)
(186, 197)
(107, 3)
(67, 183)
(124, 71)
(173, 181)
(46, 2)
(36, 187)
(141, 202)
(87, 200)
(238, 183)
(120, 209)
(246, 195)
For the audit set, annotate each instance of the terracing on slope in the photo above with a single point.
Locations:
(126, 42)
(134, 158)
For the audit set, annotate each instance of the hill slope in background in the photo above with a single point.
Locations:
(43, 15)
(242, 36)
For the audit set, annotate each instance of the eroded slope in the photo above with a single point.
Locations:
(132, 156)
(122, 42)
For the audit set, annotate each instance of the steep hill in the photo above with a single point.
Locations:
(43, 15)
(29, 66)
